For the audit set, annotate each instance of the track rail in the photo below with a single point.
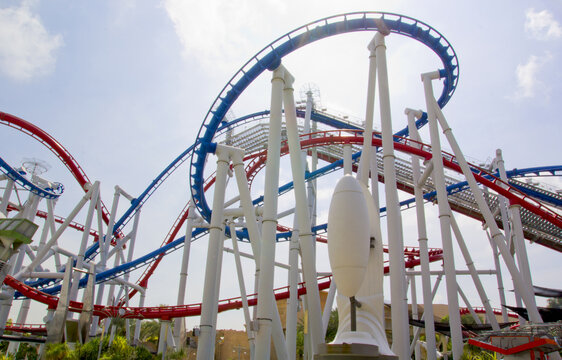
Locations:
(270, 57)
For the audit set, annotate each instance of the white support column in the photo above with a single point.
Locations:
(6, 197)
(163, 337)
(520, 247)
(184, 266)
(106, 240)
(503, 208)
(521, 287)
(517, 231)
(310, 186)
(328, 307)
(248, 209)
(502, 200)
(470, 309)
(415, 315)
(111, 300)
(347, 160)
(84, 243)
(422, 241)
(424, 317)
(136, 337)
(43, 252)
(474, 274)
(499, 279)
(293, 301)
(269, 222)
(400, 336)
(48, 225)
(366, 153)
(218, 281)
(444, 217)
(251, 222)
(29, 207)
(377, 253)
(303, 216)
(206, 347)
(242, 285)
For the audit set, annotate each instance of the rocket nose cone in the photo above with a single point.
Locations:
(348, 235)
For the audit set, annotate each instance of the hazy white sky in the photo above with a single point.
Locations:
(124, 86)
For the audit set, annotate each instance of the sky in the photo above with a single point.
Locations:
(125, 86)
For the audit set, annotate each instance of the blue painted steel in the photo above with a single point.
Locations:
(17, 177)
(555, 170)
(270, 56)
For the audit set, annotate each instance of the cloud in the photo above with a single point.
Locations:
(541, 25)
(528, 83)
(26, 48)
(217, 34)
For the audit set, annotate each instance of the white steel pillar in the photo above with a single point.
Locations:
(347, 160)
(293, 301)
(136, 336)
(520, 248)
(178, 322)
(106, 240)
(303, 217)
(474, 274)
(415, 315)
(84, 243)
(366, 153)
(499, 279)
(422, 241)
(206, 346)
(43, 252)
(218, 281)
(328, 307)
(400, 336)
(444, 218)
(163, 337)
(6, 197)
(377, 253)
(517, 231)
(241, 284)
(269, 222)
(310, 186)
(417, 332)
(470, 309)
(520, 286)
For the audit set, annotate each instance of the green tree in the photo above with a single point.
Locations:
(150, 330)
(118, 350)
(88, 351)
(331, 331)
(56, 351)
(554, 303)
(332, 326)
(26, 351)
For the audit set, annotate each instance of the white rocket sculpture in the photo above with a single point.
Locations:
(356, 265)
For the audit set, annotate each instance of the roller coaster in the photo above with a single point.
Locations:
(320, 145)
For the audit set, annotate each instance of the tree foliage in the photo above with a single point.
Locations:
(118, 350)
(555, 303)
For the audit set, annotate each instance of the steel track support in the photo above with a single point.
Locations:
(269, 222)
(179, 323)
(438, 176)
(400, 336)
(422, 241)
(521, 287)
(206, 346)
(303, 217)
